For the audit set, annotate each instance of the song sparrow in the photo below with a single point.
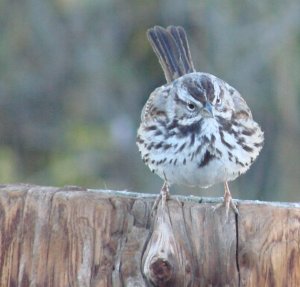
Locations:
(196, 130)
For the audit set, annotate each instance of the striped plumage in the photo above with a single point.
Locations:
(195, 130)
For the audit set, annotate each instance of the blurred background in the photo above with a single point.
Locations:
(74, 76)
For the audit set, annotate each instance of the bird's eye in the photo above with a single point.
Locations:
(191, 107)
(218, 101)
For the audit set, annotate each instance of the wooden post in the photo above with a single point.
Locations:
(78, 237)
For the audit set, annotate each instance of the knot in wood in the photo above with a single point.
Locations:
(161, 271)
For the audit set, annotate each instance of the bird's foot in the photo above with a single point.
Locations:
(228, 202)
(163, 196)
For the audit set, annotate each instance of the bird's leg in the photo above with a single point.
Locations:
(163, 196)
(228, 201)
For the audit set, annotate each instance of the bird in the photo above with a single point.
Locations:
(196, 130)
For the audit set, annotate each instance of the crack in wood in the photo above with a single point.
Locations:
(237, 248)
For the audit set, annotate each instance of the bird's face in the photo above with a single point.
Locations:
(191, 98)
(198, 96)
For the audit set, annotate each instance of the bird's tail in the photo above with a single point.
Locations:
(172, 49)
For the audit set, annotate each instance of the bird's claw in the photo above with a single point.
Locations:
(228, 203)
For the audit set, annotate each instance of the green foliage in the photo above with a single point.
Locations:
(8, 164)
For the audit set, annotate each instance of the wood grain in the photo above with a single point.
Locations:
(269, 245)
(77, 237)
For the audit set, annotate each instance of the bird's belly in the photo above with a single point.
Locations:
(190, 174)
(202, 160)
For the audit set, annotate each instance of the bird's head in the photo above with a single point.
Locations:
(198, 96)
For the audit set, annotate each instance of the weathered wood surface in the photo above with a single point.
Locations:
(78, 237)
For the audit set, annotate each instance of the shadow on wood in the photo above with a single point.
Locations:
(77, 237)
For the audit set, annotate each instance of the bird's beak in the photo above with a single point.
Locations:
(207, 110)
